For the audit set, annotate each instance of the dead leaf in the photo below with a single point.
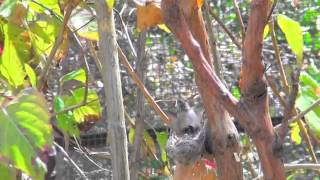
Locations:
(317, 90)
(18, 14)
(148, 16)
(199, 3)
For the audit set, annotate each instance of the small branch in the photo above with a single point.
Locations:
(238, 13)
(290, 167)
(124, 61)
(301, 115)
(70, 160)
(48, 9)
(85, 24)
(124, 28)
(86, 155)
(57, 43)
(86, 65)
(290, 105)
(213, 42)
(278, 58)
(234, 40)
(140, 108)
(275, 91)
(283, 79)
(271, 10)
(95, 56)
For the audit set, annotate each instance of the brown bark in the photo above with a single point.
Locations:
(254, 90)
(197, 171)
(252, 109)
(223, 132)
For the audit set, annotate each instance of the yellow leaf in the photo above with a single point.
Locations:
(93, 36)
(266, 31)
(164, 28)
(295, 133)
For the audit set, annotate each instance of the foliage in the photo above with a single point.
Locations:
(28, 31)
(70, 120)
(310, 84)
(25, 133)
(293, 33)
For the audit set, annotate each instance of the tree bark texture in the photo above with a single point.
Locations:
(224, 136)
(108, 54)
(252, 109)
(139, 123)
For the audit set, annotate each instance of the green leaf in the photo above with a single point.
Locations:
(303, 102)
(79, 75)
(38, 7)
(131, 135)
(308, 80)
(68, 121)
(6, 8)
(31, 74)
(149, 142)
(44, 34)
(16, 52)
(110, 3)
(65, 121)
(162, 138)
(25, 131)
(293, 34)
(92, 108)
(236, 92)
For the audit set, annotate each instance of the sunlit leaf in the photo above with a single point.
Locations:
(69, 121)
(44, 35)
(16, 52)
(164, 28)
(93, 36)
(31, 74)
(110, 3)
(65, 121)
(43, 6)
(266, 31)
(293, 34)
(162, 138)
(313, 117)
(149, 142)
(79, 75)
(236, 92)
(25, 132)
(306, 79)
(295, 133)
(131, 135)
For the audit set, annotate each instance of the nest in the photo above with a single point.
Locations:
(186, 148)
